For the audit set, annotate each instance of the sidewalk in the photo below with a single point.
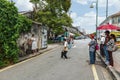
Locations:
(50, 47)
(115, 71)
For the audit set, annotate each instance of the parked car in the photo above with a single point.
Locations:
(80, 37)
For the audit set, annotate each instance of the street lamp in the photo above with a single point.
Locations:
(92, 6)
(106, 8)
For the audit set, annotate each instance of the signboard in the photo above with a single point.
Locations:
(44, 38)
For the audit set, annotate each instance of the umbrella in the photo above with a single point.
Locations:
(108, 27)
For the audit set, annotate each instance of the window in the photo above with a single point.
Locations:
(119, 19)
(113, 21)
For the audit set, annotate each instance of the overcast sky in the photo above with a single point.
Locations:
(83, 16)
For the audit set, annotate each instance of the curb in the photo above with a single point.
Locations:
(113, 72)
(34, 55)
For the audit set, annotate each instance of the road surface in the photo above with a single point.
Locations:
(49, 66)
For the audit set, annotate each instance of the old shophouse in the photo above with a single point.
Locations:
(40, 32)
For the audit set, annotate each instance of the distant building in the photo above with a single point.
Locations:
(112, 19)
(72, 30)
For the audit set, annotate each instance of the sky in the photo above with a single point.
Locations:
(83, 16)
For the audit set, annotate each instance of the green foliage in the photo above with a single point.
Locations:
(11, 25)
(94, 33)
(54, 14)
(76, 34)
(50, 42)
(66, 5)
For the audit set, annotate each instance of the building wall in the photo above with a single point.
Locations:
(113, 19)
(24, 39)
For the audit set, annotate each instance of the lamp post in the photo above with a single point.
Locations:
(106, 8)
(92, 6)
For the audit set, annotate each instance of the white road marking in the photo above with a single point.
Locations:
(94, 72)
(74, 46)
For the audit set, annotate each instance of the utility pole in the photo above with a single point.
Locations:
(106, 8)
(96, 16)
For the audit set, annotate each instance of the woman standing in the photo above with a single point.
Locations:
(92, 45)
(110, 45)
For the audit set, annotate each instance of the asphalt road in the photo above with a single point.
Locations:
(49, 66)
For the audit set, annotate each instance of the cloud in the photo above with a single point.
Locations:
(101, 3)
(73, 15)
(83, 2)
(23, 5)
(87, 21)
(117, 5)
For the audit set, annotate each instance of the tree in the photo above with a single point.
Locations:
(35, 2)
(11, 25)
(54, 14)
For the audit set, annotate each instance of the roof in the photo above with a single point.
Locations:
(25, 12)
(37, 22)
(116, 14)
(111, 16)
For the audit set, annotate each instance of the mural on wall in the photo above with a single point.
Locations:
(32, 41)
(44, 37)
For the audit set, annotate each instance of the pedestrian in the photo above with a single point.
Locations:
(29, 43)
(66, 34)
(110, 44)
(107, 38)
(92, 45)
(102, 40)
(65, 50)
(69, 43)
(34, 44)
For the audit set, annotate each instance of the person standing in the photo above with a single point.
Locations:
(34, 44)
(92, 45)
(65, 50)
(66, 34)
(102, 40)
(107, 38)
(110, 45)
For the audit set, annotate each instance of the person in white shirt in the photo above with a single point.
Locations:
(34, 44)
(65, 50)
(102, 44)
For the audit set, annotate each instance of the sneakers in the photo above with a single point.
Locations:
(107, 62)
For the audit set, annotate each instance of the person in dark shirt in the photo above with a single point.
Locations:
(107, 38)
(110, 46)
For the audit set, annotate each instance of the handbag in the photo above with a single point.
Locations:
(96, 47)
(115, 48)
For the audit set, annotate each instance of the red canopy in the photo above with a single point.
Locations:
(108, 27)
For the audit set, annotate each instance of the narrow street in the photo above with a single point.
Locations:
(49, 66)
